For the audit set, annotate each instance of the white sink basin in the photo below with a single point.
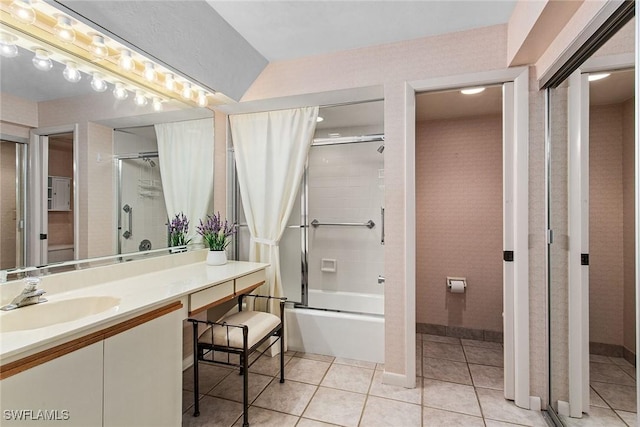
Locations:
(54, 312)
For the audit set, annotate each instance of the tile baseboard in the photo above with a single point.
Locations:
(459, 332)
(612, 350)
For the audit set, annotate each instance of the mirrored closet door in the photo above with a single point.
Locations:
(592, 193)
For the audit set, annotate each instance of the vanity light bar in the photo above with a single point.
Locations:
(95, 53)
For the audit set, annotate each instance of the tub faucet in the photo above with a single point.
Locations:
(30, 295)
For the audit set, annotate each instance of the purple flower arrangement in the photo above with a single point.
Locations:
(178, 228)
(215, 232)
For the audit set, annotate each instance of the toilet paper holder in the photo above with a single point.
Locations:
(453, 284)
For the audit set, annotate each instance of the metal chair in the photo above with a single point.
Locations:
(241, 333)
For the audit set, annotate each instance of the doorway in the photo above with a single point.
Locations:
(52, 219)
(515, 226)
(60, 206)
(459, 216)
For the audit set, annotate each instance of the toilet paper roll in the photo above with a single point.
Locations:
(457, 287)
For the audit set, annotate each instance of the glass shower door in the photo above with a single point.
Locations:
(142, 214)
(345, 198)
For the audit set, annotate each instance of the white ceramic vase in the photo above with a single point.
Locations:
(216, 257)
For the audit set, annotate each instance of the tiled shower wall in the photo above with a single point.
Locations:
(459, 221)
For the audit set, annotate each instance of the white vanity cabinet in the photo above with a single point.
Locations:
(130, 375)
(64, 391)
(143, 374)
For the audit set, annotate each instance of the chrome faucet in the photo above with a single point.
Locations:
(30, 295)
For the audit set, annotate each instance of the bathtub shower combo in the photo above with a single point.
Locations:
(332, 253)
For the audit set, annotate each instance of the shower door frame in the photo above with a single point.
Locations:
(304, 210)
(22, 193)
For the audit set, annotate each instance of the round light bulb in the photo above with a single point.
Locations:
(8, 47)
(140, 100)
(64, 30)
(126, 61)
(598, 76)
(186, 93)
(98, 83)
(202, 98)
(41, 60)
(169, 82)
(472, 90)
(23, 11)
(98, 47)
(157, 104)
(150, 71)
(120, 92)
(71, 72)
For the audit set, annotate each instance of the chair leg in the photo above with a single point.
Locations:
(196, 383)
(281, 355)
(245, 379)
(282, 336)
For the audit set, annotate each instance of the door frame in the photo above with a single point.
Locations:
(38, 171)
(516, 223)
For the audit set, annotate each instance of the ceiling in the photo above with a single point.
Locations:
(282, 30)
(288, 29)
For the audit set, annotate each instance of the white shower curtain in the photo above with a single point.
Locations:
(185, 154)
(271, 149)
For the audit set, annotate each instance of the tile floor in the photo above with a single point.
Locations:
(613, 394)
(459, 384)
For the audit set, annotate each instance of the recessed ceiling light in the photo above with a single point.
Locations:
(319, 119)
(598, 76)
(472, 90)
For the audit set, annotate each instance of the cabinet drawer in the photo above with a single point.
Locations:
(249, 280)
(199, 301)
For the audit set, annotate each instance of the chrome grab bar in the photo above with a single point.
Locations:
(369, 224)
(128, 209)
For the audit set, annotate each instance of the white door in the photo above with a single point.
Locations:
(578, 113)
(516, 240)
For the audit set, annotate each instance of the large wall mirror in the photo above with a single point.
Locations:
(80, 176)
(592, 141)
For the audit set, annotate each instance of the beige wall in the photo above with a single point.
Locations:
(558, 251)
(611, 228)
(628, 206)
(459, 221)
(606, 293)
(391, 66)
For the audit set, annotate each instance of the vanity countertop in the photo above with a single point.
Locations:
(137, 294)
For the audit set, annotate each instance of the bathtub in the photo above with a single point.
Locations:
(339, 334)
